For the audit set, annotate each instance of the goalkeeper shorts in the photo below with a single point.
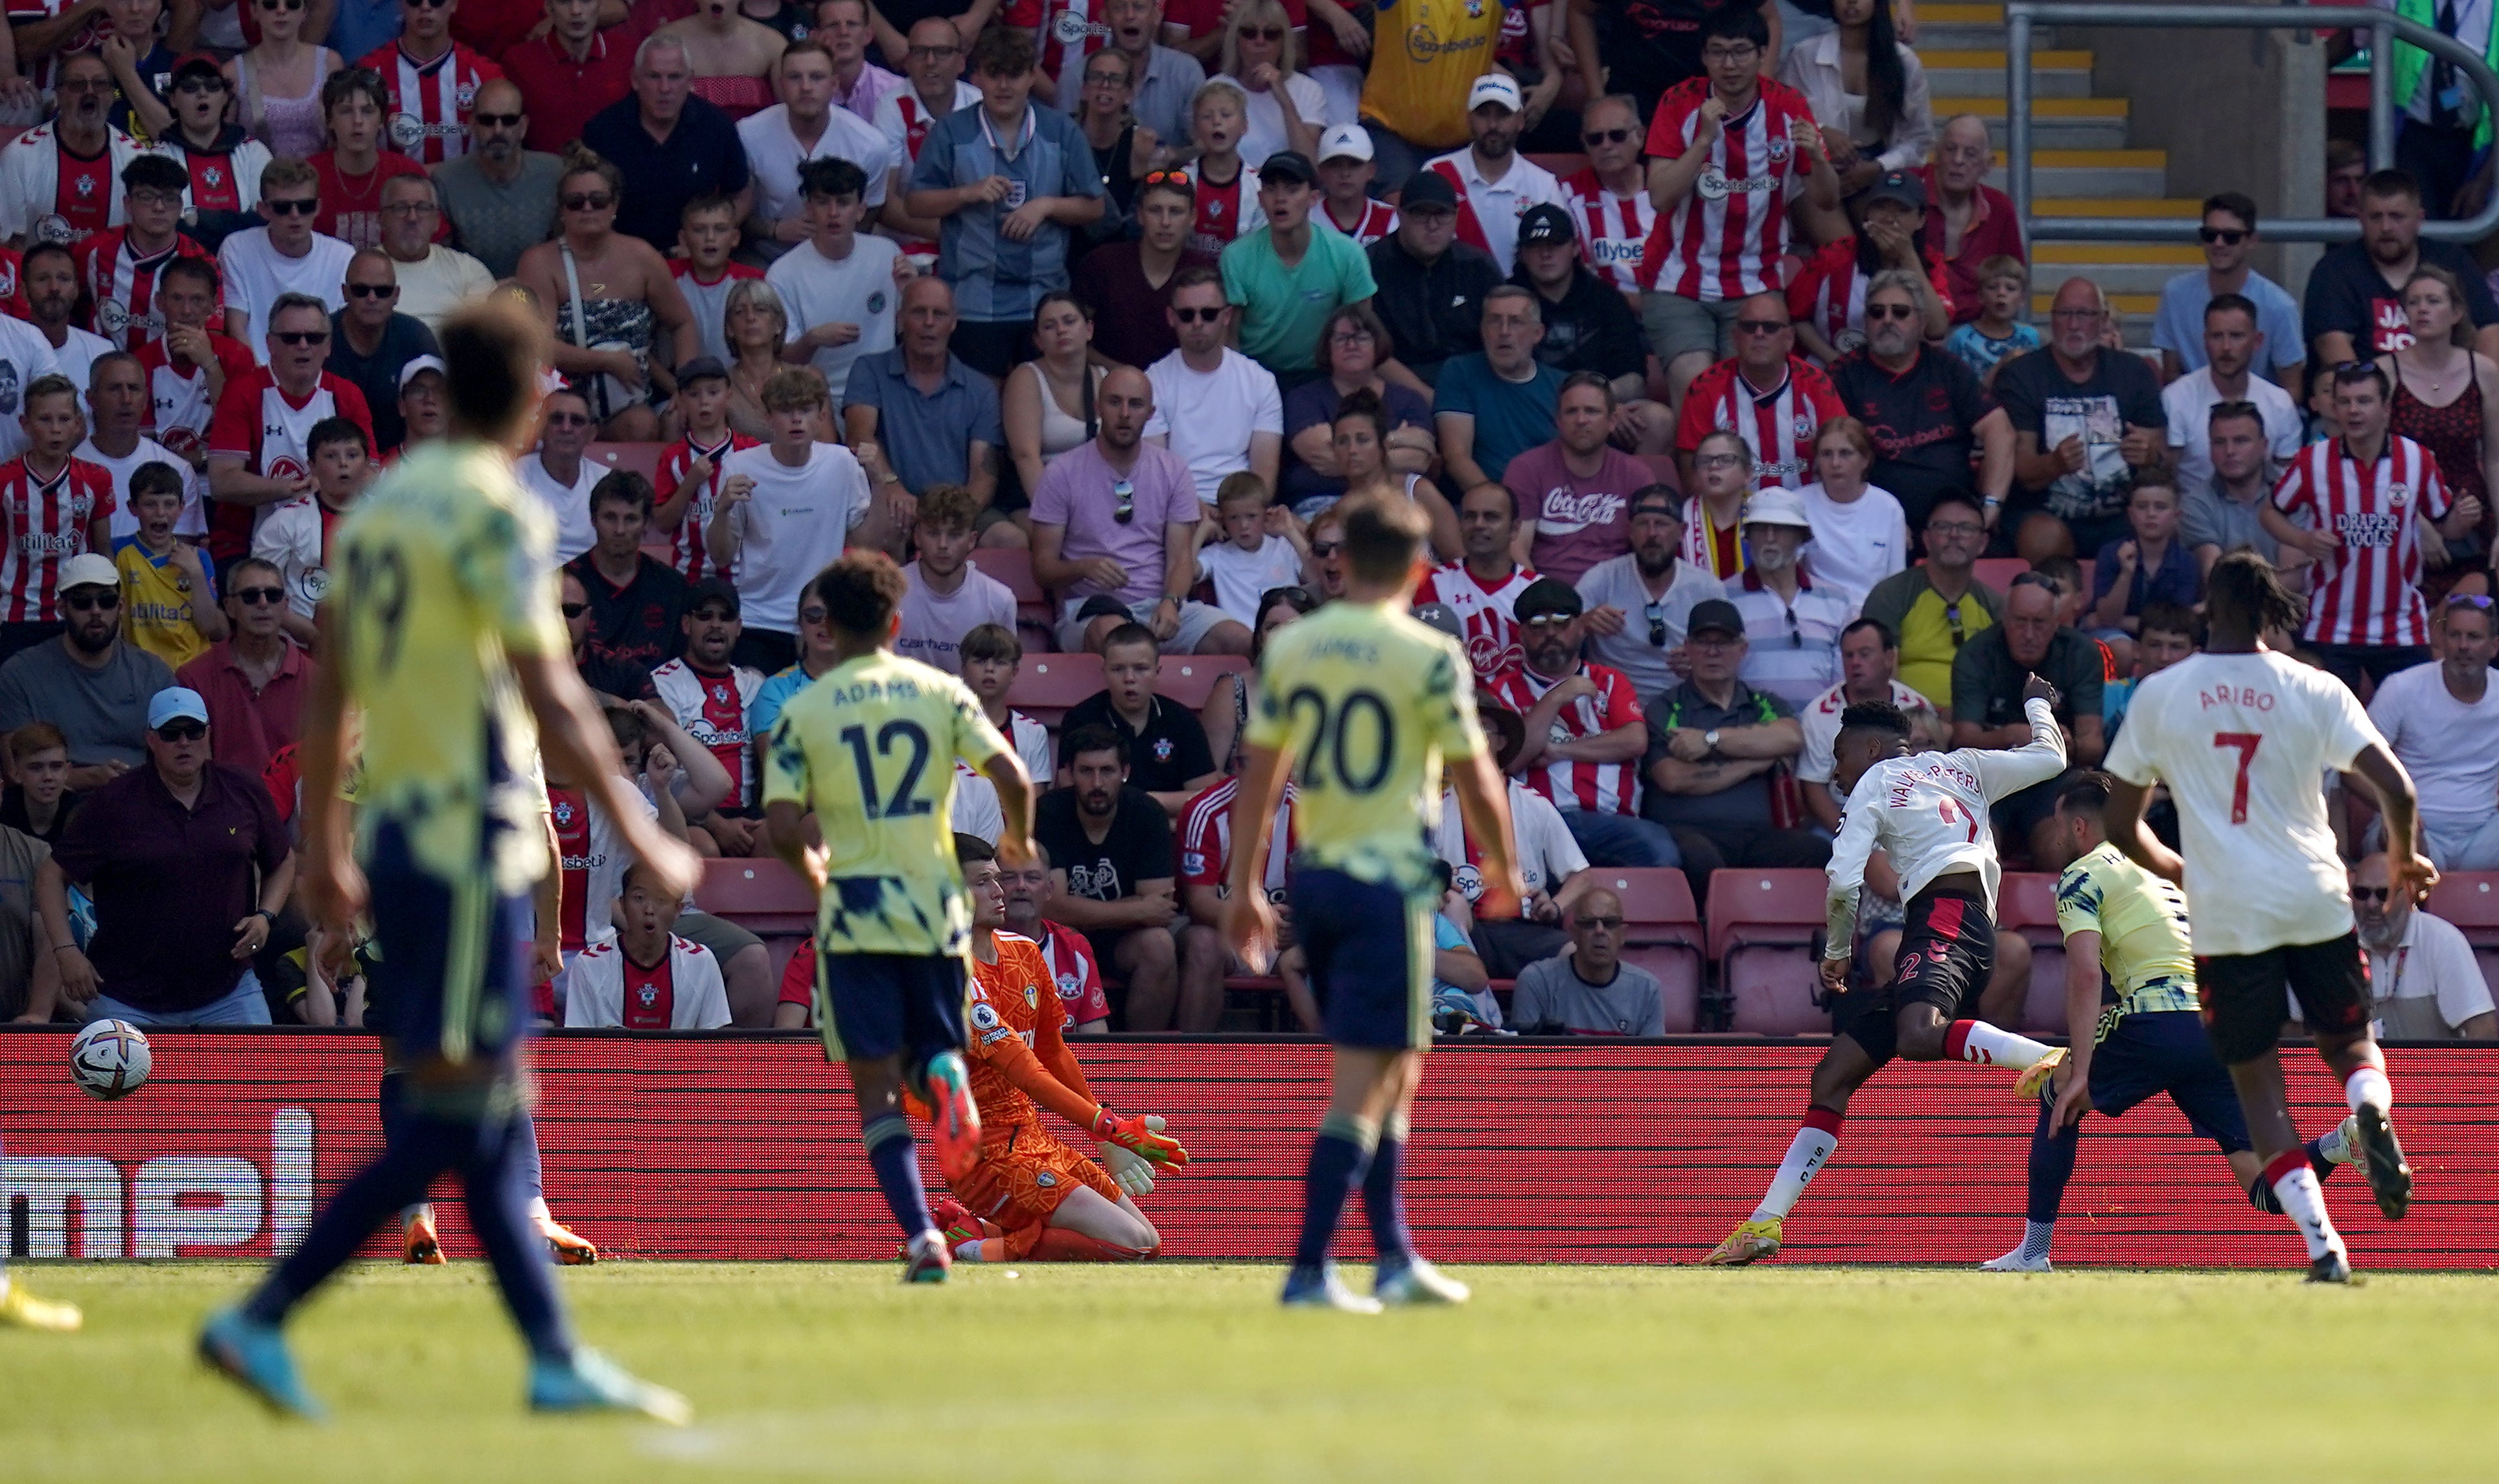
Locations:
(1022, 1184)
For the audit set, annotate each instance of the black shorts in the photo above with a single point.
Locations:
(2242, 994)
(1947, 951)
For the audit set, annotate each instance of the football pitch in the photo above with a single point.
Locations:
(1180, 1371)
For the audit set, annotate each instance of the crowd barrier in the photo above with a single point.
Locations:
(694, 1146)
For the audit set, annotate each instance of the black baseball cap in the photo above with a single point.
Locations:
(1715, 616)
(1289, 165)
(1427, 191)
(1547, 595)
(1899, 186)
(716, 590)
(1545, 222)
(702, 368)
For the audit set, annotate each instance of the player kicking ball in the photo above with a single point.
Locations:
(870, 751)
(1360, 704)
(1033, 1198)
(2120, 918)
(2241, 734)
(1929, 813)
(441, 633)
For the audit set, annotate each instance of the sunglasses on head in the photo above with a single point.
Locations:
(255, 598)
(1299, 597)
(2227, 236)
(589, 201)
(1177, 178)
(1197, 316)
(89, 601)
(303, 206)
(182, 729)
(497, 120)
(2480, 601)
(1592, 137)
(300, 336)
(372, 290)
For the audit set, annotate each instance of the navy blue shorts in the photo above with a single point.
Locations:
(451, 976)
(2166, 1051)
(1370, 953)
(871, 1006)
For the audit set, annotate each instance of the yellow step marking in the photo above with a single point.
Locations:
(1971, 61)
(2114, 206)
(2172, 254)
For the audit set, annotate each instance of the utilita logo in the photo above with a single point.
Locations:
(170, 1203)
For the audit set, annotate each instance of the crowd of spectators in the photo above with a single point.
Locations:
(1716, 423)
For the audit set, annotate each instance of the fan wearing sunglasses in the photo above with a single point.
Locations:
(283, 252)
(223, 161)
(2228, 235)
(1610, 192)
(260, 451)
(255, 678)
(1286, 108)
(89, 680)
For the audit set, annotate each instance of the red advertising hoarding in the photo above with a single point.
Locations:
(747, 1148)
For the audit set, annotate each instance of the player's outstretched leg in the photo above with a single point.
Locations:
(2370, 1132)
(2052, 1165)
(1977, 1041)
(20, 1310)
(1841, 1071)
(563, 1244)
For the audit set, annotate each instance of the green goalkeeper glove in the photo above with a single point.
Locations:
(1141, 1137)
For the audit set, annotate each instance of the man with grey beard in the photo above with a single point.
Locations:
(500, 197)
(1925, 412)
(2421, 972)
(1640, 602)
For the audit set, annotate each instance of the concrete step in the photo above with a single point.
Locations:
(1955, 37)
(2093, 171)
(2056, 123)
(2119, 268)
(1980, 74)
(2117, 206)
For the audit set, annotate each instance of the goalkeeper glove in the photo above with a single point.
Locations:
(1128, 1172)
(1139, 1137)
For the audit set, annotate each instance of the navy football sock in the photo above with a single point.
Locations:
(500, 1183)
(891, 1151)
(526, 1167)
(1383, 1199)
(2052, 1165)
(1336, 1159)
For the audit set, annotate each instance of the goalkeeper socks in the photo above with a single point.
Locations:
(1058, 1244)
(2303, 1200)
(897, 1162)
(1806, 1153)
(2052, 1165)
(1978, 1041)
(1337, 1158)
(2368, 1086)
(1383, 1201)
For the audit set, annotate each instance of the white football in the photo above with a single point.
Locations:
(109, 1059)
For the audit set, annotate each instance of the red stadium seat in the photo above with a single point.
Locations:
(2027, 904)
(1188, 680)
(1662, 933)
(1014, 567)
(1049, 683)
(1998, 572)
(1563, 166)
(2470, 900)
(1766, 932)
(642, 459)
(763, 896)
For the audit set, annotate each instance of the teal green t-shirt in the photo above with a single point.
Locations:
(1282, 309)
(1511, 417)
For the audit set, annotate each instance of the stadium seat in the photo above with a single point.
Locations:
(2027, 904)
(1188, 680)
(1563, 166)
(765, 897)
(1661, 469)
(1662, 933)
(642, 459)
(1765, 930)
(1012, 567)
(1998, 572)
(1049, 683)
(2470, 900)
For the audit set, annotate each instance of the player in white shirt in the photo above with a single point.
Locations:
(1929, 813)
(2242, 734)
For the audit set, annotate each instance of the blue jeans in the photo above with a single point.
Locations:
(244, 1004)
(1621, 839)
(1394, 158)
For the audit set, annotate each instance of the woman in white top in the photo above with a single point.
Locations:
(1361, 433)
(1859, 533)
(1286, 109)
(1225, 715)
(277, 84)
(1047, 404)
(1868, 93)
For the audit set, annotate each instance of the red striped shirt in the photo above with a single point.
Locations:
(49, 520)
(686, 552)
(1613, 230)
(430, 101)
(1600, 787)
(2368, 591)
(1378, 220)
(1487, 615)
(122, 284)
(1206, 839)
(1778, 426)
(1224, 211)
(1725, 237)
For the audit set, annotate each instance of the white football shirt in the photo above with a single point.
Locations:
(2240, 740)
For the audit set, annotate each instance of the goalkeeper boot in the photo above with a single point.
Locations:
(1321, 1288)
(254, 1356)
(954, 1117)
(957, 1223)
(926, 1259)
(2035, 1077)
(568, 1249)
(21, 1310)
(421, 1244)
(587, 1381)
(1748, 1242)
(2381, 1159)
(1412, 1281)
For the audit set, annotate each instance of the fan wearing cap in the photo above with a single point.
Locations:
(117, 267)
(1827, 297)
(86, 679)
(1588, 326)
(1792, 624)
(188, 864)
(1719, 758)
(1584, 732)
(1346, 170)
(1285, 279)
(1640, 604)
(1495, 184)
(422, 410)
(1432, 286)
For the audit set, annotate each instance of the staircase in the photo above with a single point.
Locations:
(2081, 164)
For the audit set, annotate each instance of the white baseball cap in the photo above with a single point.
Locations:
(1495, 88)
(1776, 505)
(87, 569)
(418, 365)
(1345, 142)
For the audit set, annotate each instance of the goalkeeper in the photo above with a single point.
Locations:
(1032, 1198)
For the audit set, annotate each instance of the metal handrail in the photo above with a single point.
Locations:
(2384, 28)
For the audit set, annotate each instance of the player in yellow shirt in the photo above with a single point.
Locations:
(2144, 1035)
(1361, 705)
(869, 749)
(441, 646)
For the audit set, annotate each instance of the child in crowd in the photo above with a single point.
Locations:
(707, 231)
(168, 600)
(1227, 188)
(1999, 333)
(52, 508)
(2165, 633)
(690, 471)
(295, 536)
(992, 657)
(2153, 566)
(1262, 547)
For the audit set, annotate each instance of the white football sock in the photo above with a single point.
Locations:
(1805, 1155)
(2304, 1200)
(1982, 1041)
(2369, 1085)
(2332, 1145)
(538, 1210)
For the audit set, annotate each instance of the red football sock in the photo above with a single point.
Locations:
(1058, 1244)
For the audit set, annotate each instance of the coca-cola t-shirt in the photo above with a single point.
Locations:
(1580, 521)
(2346, 293)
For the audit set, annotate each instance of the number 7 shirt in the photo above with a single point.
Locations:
(2241, 740)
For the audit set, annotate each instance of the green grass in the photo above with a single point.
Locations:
(1182, 1373)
